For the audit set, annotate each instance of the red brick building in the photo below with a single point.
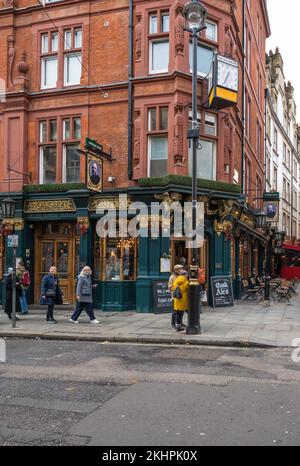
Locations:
(118, 71)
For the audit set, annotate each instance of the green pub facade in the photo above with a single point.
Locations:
(60, 228)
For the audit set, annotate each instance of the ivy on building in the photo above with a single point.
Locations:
(178, 180)
(53, 188)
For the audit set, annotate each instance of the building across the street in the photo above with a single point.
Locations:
(283, 162)
(77, 79)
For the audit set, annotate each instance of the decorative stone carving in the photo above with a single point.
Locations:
(221, 207)
(137, 137)
(11, 57)
(225, 209)
(178, 136)
(168, 198)
(138, 38)
(228, 42)
(8, 2)
(179, 31)
(23, 66)
(83, 225)
(227, 141)
(225, 228)
(16, 224)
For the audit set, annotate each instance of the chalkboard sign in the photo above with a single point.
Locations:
(222, 292)
(162, 298)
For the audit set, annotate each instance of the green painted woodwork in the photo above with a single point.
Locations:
(237, 283)
(115, 296)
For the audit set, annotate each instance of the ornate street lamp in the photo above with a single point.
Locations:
(261, 219)
(195, 15)
(8, 206)
(278, 236)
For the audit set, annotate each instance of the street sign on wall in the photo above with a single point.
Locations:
(12, 241)
(93, 146)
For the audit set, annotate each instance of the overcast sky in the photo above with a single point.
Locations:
(285, 26)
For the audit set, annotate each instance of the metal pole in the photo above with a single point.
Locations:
(268, 272)
(14, 291)
(193, 327)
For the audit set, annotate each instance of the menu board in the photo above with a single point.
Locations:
(222, 292)
(162, 298)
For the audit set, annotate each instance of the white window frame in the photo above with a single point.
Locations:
(43, 71)
(205, 46)
(41, 164)
(213, 23)
(149, 151)
(151, 17)
(162, 16)
(151, 43)
(214, 164)
(64, 161)
(79, 58)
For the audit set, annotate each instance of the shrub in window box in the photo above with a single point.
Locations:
(52, 188)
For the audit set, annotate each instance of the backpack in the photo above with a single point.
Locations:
(25, 281)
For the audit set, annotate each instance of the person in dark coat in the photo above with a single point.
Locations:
(9, 293)
(84, 293)
(51, 294)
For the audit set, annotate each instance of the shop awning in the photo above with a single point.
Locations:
(252, 232)
(291, 247)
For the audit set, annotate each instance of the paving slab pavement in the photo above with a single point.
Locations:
(246, 324)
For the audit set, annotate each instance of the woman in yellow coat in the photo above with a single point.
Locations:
(180, 304)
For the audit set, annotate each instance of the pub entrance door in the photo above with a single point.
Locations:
(182, 255)
(55, 245)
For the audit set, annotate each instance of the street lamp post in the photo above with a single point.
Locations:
(195, 14)
(268, 268)
(8, 206)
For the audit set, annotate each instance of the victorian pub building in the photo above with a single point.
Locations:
(119, 72)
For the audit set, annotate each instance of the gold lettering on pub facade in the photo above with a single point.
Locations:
(58, 205)
(108, 203)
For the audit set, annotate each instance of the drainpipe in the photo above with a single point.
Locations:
(130, 90)
(238, 277)
(244, 97)
(265, 165)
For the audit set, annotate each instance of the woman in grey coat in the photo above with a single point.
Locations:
(84, 293)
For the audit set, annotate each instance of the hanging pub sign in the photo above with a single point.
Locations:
(94, 153)
(223, 83)
(94, 173)
(271, 206)
(222, 292)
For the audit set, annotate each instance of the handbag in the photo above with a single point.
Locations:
(177, 293)
(85, 291)
(50, 294)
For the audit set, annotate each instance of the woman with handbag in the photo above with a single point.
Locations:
(180, 296)
(172, 279)
(84, 293)
(51, 294)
